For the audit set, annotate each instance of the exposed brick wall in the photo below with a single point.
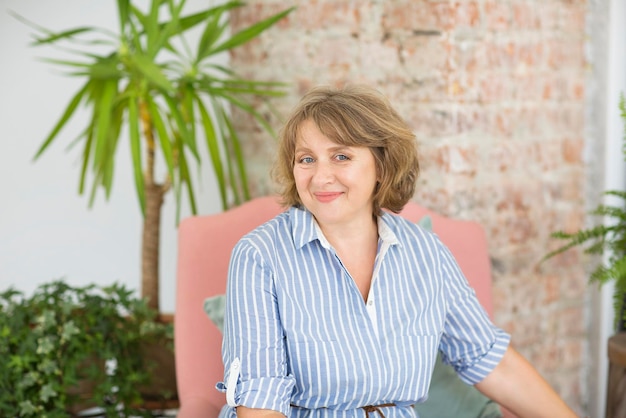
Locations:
(495, 93)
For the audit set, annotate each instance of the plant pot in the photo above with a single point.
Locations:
(82, 394)
(162, 393)
(616, 389)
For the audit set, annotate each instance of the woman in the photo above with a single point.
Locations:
(336, 308)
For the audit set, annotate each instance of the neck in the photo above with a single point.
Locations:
(353, 235)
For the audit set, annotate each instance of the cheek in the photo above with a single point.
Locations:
(299, 177)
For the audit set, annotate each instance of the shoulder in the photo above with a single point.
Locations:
(405, 229)
(268, 233)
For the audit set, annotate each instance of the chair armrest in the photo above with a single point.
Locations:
(198, 407)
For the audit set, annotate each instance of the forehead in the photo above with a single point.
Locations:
(310, 133)
(310, 137)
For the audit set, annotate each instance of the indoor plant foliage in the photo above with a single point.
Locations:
(150, 87)
(66, 348)
(606, 238)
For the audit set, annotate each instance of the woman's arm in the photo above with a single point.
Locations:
(253, 347)
(517, 386)
(243, 412)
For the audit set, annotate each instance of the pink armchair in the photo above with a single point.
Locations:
(204, 247)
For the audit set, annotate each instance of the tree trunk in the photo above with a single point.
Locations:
(150, 245)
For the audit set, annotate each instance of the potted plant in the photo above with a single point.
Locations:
(148, 85)
(66, 348)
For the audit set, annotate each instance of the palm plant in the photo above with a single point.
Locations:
(152, 88)
(606, 238)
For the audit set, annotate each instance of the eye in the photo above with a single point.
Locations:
(306, 160)
(342, 157)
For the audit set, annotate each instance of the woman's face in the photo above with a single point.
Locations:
(335, 182)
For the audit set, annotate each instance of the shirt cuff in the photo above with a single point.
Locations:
(481, 368)
(272, 393)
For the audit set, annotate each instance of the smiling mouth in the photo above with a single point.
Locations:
(326, 197)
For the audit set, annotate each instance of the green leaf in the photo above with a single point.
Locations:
(164, 137)
(123, 8)
(85, 158)
(183, 130)
(251, 32)
(239, 160)
(185, 178)
(251, 110)
(67, 114)
(55, 37)
(188, 114)
(151, 71)
(135, 149)
(214, 150)
(190, 21)
(227, 148)
(167, 30)
(151, 27)
(115, 128)
(105, 69)
(213, 32)
(102, 116)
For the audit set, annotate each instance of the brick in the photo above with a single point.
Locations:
(418, 15)
(457, 159)
(571, 321)
(424, 55)
(340, 16)
(469, 55)
(573, 151)
(552, 288)
(526, 15)
(565, 52)
(497, 14)
(549, 15)
(467, 15)
(509, 54)
(526, 331)
(572, 17)
(574, 284)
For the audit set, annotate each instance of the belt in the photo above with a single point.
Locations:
(376, 408)
(368, 409)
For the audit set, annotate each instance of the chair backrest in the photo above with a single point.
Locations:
(204, 248)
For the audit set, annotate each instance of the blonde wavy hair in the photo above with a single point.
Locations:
(355, 116)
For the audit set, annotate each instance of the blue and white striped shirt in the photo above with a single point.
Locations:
(299, 339)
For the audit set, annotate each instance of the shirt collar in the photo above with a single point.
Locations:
(304, 228)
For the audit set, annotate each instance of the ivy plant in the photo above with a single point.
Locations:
(67, 348)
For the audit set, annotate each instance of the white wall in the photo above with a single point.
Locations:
(46, 229)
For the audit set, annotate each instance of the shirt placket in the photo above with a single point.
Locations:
(372, 300)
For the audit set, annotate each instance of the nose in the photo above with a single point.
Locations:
(324, 173)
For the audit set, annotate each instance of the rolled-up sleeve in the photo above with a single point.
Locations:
(471, 343)
(253, 335)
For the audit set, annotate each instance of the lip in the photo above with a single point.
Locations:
(326, 197)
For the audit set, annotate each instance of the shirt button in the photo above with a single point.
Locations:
(370, 303)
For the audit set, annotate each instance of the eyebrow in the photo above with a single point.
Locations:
(332, 149)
